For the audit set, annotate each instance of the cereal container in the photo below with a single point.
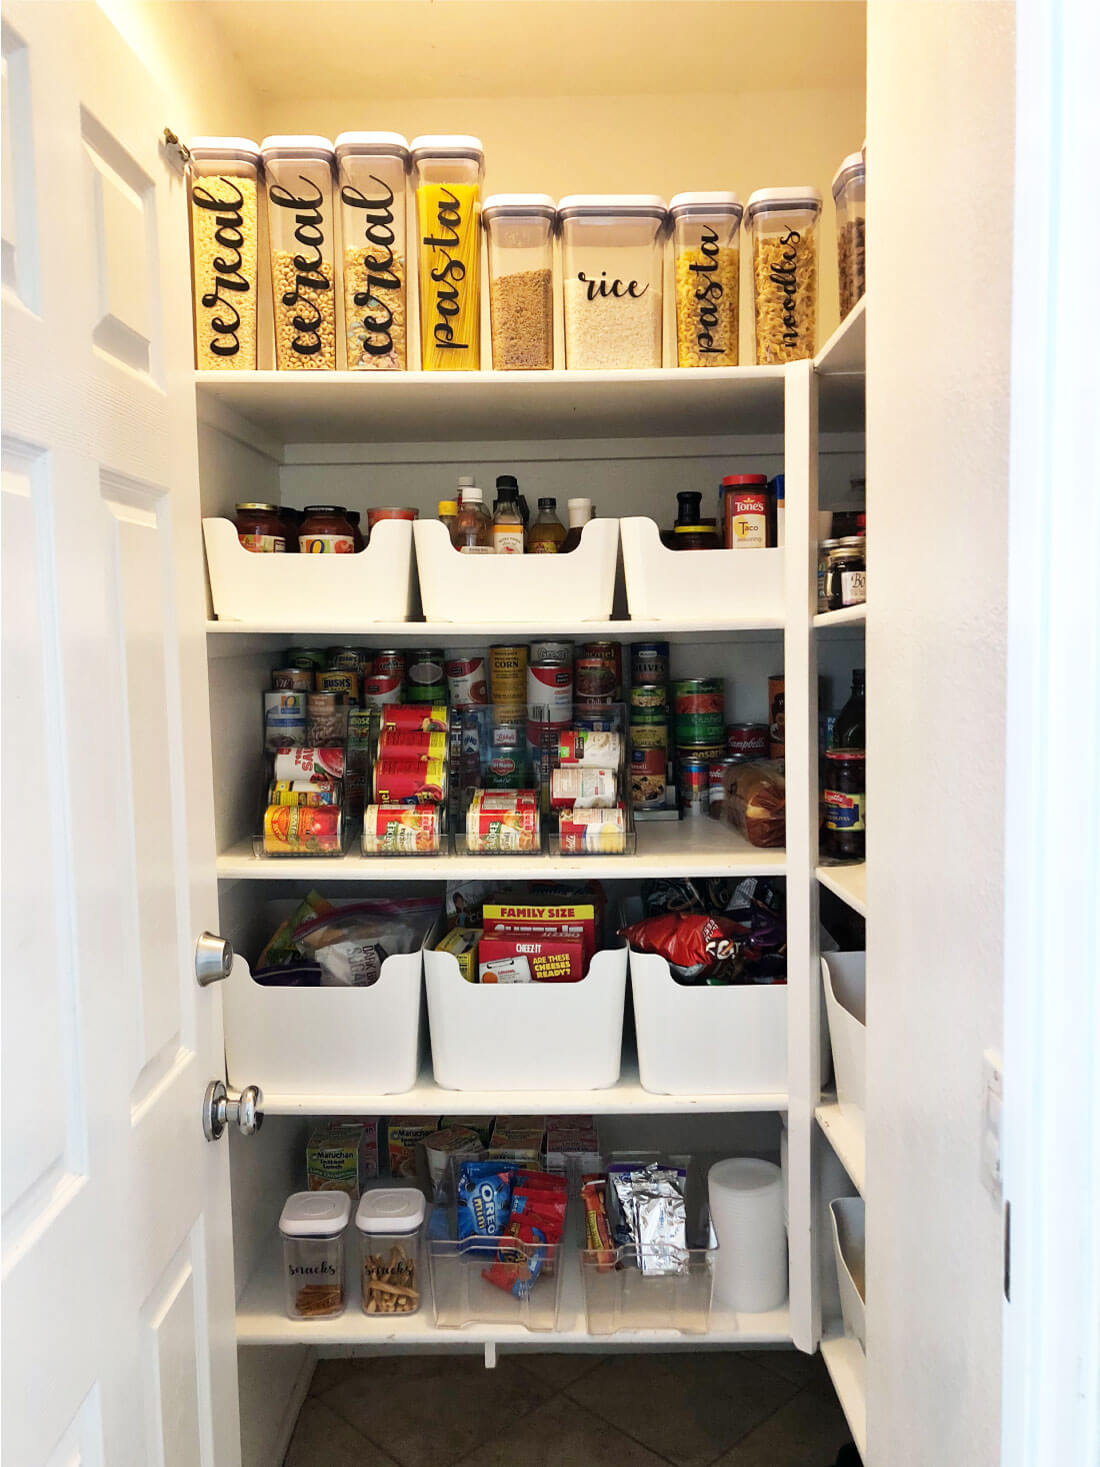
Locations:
(448, 169)
(782, 224)
(300, 225)
(850, 198)
(312, 1226)
(390, 1221)
(223, 176)
(706, 232)
(612, 279)
(519, 229)
(370, 178)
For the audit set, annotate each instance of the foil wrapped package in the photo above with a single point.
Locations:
(648, 1215)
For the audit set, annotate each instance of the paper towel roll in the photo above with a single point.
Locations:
(746, 1209)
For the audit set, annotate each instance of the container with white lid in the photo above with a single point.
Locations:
(448, 169)
(706, 230)
(850, 198)
(782, 224)
(519, 229)
(371, 170)
(301, 230)
(312, 1225)
(612, 279)
(390, 1221)
(222, 179)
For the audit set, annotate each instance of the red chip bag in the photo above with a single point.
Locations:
(692, 943)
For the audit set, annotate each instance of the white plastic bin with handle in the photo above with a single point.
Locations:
(699, 585)
(850, 1248)
(845, 979)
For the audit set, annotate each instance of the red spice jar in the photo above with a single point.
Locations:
(748, 512)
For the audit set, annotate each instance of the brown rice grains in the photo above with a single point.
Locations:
(784, 271)
(707, 315)
(305, 314)
(223, 247)
(522, 306)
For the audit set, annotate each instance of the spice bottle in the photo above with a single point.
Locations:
(447, 510)
(580, 512)
(301, 228)
(706, 231)
(546, 535)
(260, 528)
(507, 521)
(748, 512)
(370, 179)
(782, 223)
(312, 1225)
(850, 198)
(519, 231)
(448, 169)
(389, 1221)
(473, 530)
(222, 186)
(612, 279)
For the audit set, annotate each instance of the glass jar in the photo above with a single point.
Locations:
(846, 573)
(260, 528)
(449, 168)
(782, 223)
(390, 1223)
(612, 279)
(845, 833)
(824, 550)
(519, 231)
(312, 1225)
(850, 198)
(326, 530)
(298, 171)
(748, 512)
(223, 176)
(706, 230)
(370, 174)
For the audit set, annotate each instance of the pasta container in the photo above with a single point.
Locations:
(850, 198)
(390, 1221)
(300, 225)
(612, 279)
(519, 230)
(706, 231)
(782, 224)
(371, 169)
(312, 1225)
(223, 178)
(448, 168)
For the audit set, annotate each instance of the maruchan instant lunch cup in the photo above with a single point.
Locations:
(519, 230)
(706, 230)
(448, 170)
(301, 227)
(782, 224)
(371, 169)
(222, 183)
(850, 198)
(612, 279)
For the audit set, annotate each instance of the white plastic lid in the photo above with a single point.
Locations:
(617, 206)
(518, 206)
(391, 1210)
(471, 494)
(851, 168)
(243, 148)
(446, 145)
(714, 202)
(297, 145)
(315, 1214)
(465, 481)
(372, 145)
(799, 196)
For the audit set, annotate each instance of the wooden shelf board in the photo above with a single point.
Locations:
(849, 883)
(847, 1369)
(845, 352)
(246, 635)
(844, 1129)
(848, 616)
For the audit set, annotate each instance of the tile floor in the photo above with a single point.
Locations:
(686, 1409)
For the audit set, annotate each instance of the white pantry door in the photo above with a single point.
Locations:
(118, 1342)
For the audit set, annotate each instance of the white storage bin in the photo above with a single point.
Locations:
(707, 1041)
(850, 1248)
(527, 1036)
(707, 585)
(311, 590)
(845, 979)
(522, 588)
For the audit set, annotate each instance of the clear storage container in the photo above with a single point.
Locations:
(312, 1225)
(449, 169)
(850, 198)
(782, 223)
(612, 279)
(223, 177)
(519, 229)
(390, 1221)
(707, 237)
(300, 225)
(371, 171)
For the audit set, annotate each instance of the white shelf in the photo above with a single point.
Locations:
(262, 1320)
(845, 352)
(246, 635)
(847, 1369)
(843, 1128)
(848, 616)
(695, 847)
(849, 883)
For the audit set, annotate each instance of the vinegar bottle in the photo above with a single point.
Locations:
(547, 533)
(473, 531)
(580, 512)
(507, 519)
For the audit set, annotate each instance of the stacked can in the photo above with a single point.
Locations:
(699, 726)
(409, 778)
(649, 718)
(549, 707)
(468, 688)
(385, 683)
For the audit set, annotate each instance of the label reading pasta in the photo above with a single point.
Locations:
(450, 282)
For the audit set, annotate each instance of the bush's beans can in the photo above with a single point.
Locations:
(508, 682)
(595, 680)
(716, 786)
(648, 662)
(466, 682)
(425, 676)
(694, 787)
(776, 735)
(412, 743)
(549, 692)
(503, 830)
(293, 679)
(410, 781)
(699, 707)
(648, 698)
(391, 663)
(611, 655)
(546, 651)
(427, 718)
(284, 719)
(747, 740)
(304, 830)
(308, 657)
(316, 765)
(303, 792)
(327, 718)
(347, 658)
(584, 832)
(380, 689)
(400, 830)
(340, 680)
(581, 746)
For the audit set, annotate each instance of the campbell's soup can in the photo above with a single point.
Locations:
(551, 651)
(304, 830)
(595, 680)
(303, 792)
(426, 717)
(293, 679)
(424, 674)
(309, 763)
(410, 781)
(776, 733)
(549, 692)
(648, 662)
(391, 662)
(400, 830)
(380, 689)
(508, 681)
(587, 832)
(747, 740)
(505, 831)
(716, 786)
(412, 743)
(694, 787)
(340, 680)
(347, 658)
(466, 682)
(611, 655)
(699, 709)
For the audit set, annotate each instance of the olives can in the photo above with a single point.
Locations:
(381, 688)
(391, 662)
(648, 662)
(549, 651)
(648, 698)
(304, 830)
(466, 682)
(508, 681)
(340, 680)
(694, 787)
(293, 679)
(747, 740)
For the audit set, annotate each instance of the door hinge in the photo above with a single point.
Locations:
(177, 150)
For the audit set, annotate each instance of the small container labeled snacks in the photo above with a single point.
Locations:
(389, 1221)
(612, 279)
(519, 230)
(782, 224)
(312, 1227)
(448, 169)
(370, 179)
(301, 229)
(850, 198)
(706, 230)
(222, 179)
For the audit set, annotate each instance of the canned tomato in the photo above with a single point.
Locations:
(466, 682)
(293, 679)
(549, 651)
(707, 752)
(284, 719)
(648, 698)
(716, 786)
(327, 720)
(699, 706)
(340, 680)
(549, 692)
(694, 787)
(776, 737)
(303, 792)
(316, 765)
(649, 736)
(508, 680)
(414, 716)
(648, 662)
(410, 781)
(576, 785)
(580, 746)
(390, 663)
(502, 831)
(303, 830)
(595, 680)
(412, 743)
(425, 676)
(345, 658)
(400, 830)
(747, 740)
(381, 689)
(584, 832)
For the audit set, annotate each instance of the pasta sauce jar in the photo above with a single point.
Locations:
(326, 530)
(259, 528)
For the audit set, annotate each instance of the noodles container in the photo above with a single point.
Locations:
(850, 197)
(371, 169)
(466, 682)
(782, 224)
(549, 692)
(222, 185)
(448, 170)
(400, 830)
(301, 230)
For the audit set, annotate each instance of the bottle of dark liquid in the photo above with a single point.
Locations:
(547, 532)
(850, 729)
(580, 512)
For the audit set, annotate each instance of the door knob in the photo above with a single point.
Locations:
(220, 1109)
(213, 959)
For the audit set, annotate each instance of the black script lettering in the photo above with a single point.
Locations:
(447, 298)
(229, 236)
(603, 288)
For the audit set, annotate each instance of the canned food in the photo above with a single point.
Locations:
(359, 725)
(400, 830)
(707, 752)
(747, 740)
(390, 663)
(694, 787)
(577, 786)
(579, 746)
(327, 719)
(347, 659)
(549, 692)
(648, 698)
(425, 676)
(548, 651)
(503, 831)
(316, 765)
(648, 662)
(595, 680)
(775, 717)
(380, 689)
(303, 830)
(611, 655)
(293, 679)
(503, 800)
(306, 657)
(508, 681)
(593, 718)
(414, 716)
(410, 781)
(284, 719)
(649, 761)
(584, 832)
(647, 780)
(412, 743)
(466, 682)
(716, 786)
(649, 736)
(303, 792)
(699, 706)
(340, 680)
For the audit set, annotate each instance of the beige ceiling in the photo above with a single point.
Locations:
(508, 48)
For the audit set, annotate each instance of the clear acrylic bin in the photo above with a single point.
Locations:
(301, 230)
(501, 774)
(390, 1223)
(601, 740)
(850, 198)
(519, 230)
(706, 231)
(782, 223)
(448, 170)
(612, 273)
(223, 178)
(371, 179)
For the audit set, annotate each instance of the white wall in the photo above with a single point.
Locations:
(940, 127)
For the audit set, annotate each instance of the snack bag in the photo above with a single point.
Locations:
(693, 944)
(537, 1218)
(484, 1198)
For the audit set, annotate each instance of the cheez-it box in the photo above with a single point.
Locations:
(551, 921)
(509, 959)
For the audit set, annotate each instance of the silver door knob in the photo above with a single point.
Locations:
(213, 959)
(220, 1109)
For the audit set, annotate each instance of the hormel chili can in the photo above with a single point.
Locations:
(302, 830)
(410, 781)
(340, 680)
(648, 662)
(584, 832)
(424, 716)
(303, 792)
(391, 662)
(549, 692)
(466, 682)
(747, 740)
(595, 680)
(400, 830)
(380, 689)
(293, 679)
(309, 763)
(611, 655)
(412, 743)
